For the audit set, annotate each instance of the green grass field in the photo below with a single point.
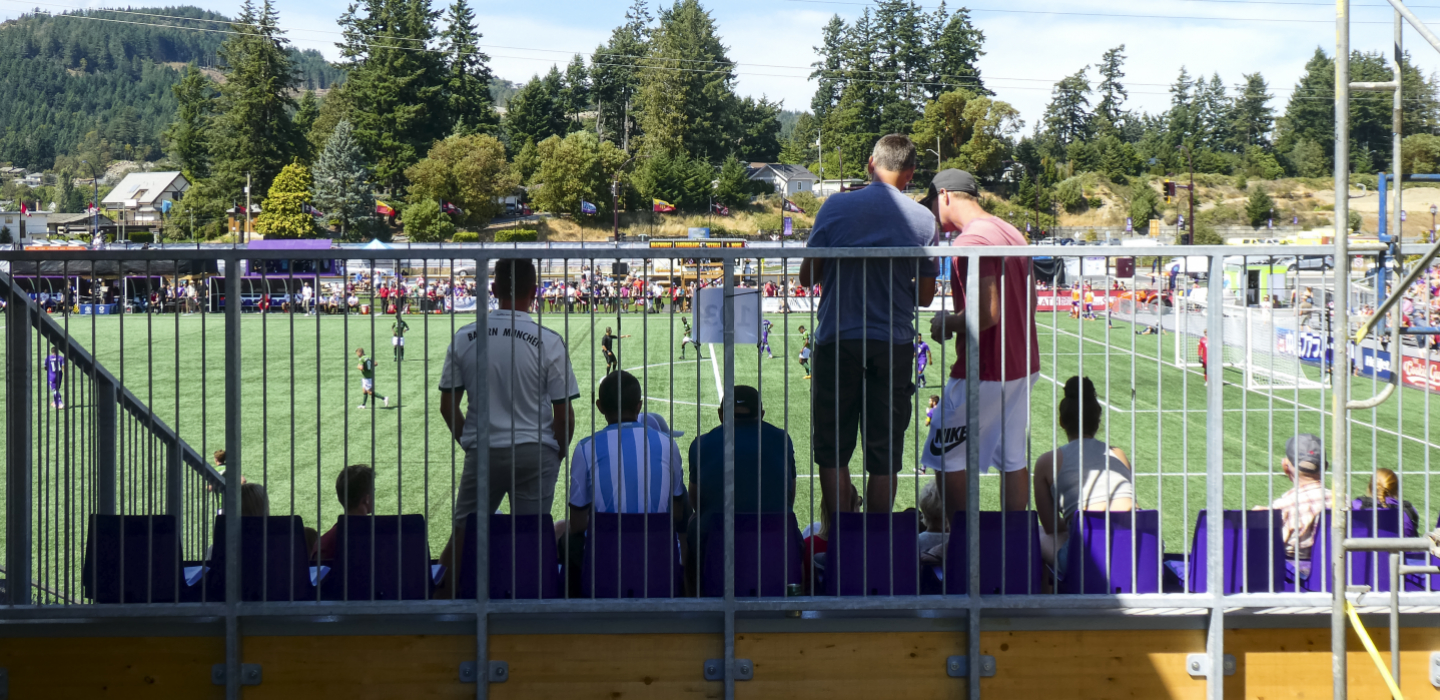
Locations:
(301, 423)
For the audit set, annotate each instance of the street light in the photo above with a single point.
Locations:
(95, 203)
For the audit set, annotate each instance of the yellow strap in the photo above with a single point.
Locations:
(1374, 653)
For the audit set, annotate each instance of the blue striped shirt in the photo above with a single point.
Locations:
(626, 468)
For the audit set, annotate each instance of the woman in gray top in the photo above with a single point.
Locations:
(1083, 474)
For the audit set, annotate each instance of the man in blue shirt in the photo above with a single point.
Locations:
(764, 471)
(866, 323)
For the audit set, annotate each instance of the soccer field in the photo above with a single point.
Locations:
(301, 423)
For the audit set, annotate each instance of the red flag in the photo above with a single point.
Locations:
(720, 209)
(791, 207)
(24, 209)
(661, 206)
(384, 209)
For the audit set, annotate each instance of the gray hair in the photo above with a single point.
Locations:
(894, 153)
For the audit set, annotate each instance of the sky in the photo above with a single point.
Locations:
(1029, 44)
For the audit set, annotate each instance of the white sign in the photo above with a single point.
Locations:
(710, 315)
(1095, 266)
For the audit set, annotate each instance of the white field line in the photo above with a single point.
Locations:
(687, 403)
(715, 365)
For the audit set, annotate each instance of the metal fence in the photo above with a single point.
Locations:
(114, 506)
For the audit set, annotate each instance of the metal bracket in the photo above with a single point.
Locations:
(1198, 665)
(499, 672)
(744, 669)
(959, 666)
(1435, 668)
(249, 674)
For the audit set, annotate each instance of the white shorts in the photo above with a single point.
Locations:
(397, 341)
(688, 340)
(805, 354)
(1004, 427)
(367, 384)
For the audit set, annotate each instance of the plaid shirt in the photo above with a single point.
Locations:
(1301, 508)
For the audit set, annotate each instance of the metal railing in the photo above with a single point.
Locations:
(287, 421)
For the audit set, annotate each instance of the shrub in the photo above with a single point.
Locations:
(141, 237)
(5, 237)
(465, 237)
(516, 235)
(807, 200)
(425, 223)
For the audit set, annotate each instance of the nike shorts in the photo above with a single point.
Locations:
(397, 342)
(1003, 430)
(367, 384)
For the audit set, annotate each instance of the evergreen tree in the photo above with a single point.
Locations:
(1251, 118)
(829, 74)
(305, 117)
(732, 186)
(1067, 117)
(526, 162)
(682, 110)
(953, 53)
(402, 90)
(852, 124)
(536, 112)
(283, 214)
(1213, 115)
(253, 131)
(342, 182)
(1181, 120)
(1259, 207)
(1111, 107)
(756, 130)
(615, 76)
(468, 77)
(575, 93)
(800, 148)
(187, 136)
(468, 171)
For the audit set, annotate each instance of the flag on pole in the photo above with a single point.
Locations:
(791, 207)
(720, 209)
(384, 209)
(449, 208)
(588, 208)
(24, 209)
(312, 211)
(661, 206)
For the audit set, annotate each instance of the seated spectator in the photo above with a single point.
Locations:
(605, 478)
(936, 526)
(1083, 474)
(1300, 507)
(764, 471)
(355, 487)
(254, 501)
(817, 540)
(1384, 494)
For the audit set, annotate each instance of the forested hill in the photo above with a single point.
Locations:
(100, 81)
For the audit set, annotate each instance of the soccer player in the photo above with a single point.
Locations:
(367, 379)
(397, 340)
(805, 351)
(55, 376)
(765, 338)
(1204, 350)
(930, 412)
(688, 339)
(1089, 304)
(922, 358)
(1075, 301)
(607, 348)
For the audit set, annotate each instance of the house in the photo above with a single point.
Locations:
(142, 197)
(828, 187)
(16, 174)
(786, 179)
(78, 224)
(34, 179)
(24, 228)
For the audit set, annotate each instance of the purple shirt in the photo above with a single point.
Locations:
(54, 364)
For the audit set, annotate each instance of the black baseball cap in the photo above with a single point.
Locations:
(747, 401)
(951, 180)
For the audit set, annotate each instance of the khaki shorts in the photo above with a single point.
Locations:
(527, 473)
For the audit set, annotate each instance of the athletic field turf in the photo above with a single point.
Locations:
(301, 423)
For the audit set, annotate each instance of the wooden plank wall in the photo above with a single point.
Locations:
(1272, 664)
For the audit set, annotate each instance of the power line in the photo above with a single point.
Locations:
(1114, 15)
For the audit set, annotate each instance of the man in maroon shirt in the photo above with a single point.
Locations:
(1009, 350)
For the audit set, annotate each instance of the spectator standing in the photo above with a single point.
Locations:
(864, 353)
(764, 471)
(1009, 350)
(1300, 507)
(531, 385)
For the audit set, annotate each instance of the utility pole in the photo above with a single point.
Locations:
(1191, 152)
(247, 207)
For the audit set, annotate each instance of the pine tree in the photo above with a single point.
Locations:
(1111, 107)
(305, 117)
(400, 91)
(1181, 119)
(1067, 117)
(1213, 115)
(526, 162)
(684, 111)
(954, 53)
(536, 112)
(732, 185)
(829, 75)
(187, 136)
(800, 147)
(575, 93)
(615, 76)
(1259, 207)
(253, 131)
(342, 182)
(1251, 118)
(468, 80)
(284, 212)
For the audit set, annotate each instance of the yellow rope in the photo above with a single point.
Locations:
(1374, 653)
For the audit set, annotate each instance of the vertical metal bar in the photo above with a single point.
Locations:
(174, 485)
(233, 464)
(728, 405)
(972, 469)
(106, 448)
(482, 481)
(1215, 478)
(1340, 394)
(18, 457)
(1395, 584)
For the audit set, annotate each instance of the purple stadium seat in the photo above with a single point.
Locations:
(631, 555)
(1253, 552)
(274, 560)
(1010, 561)
(1125, 561)
(522, 558)
(1373, 568)
(131, 559)
(873, 554)
(767, 554)
(379, 557)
